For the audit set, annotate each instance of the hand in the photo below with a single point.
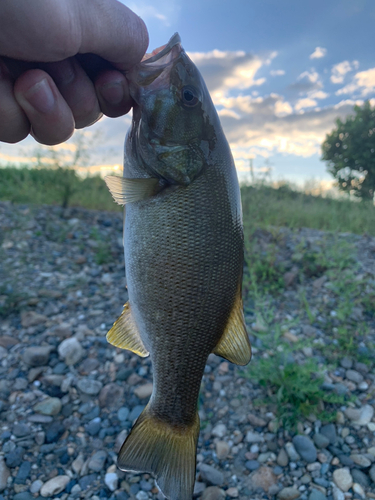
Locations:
(61, 64)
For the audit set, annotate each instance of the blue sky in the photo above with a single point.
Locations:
(279, 73)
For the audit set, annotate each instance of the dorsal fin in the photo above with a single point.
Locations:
(124, 334)
(234, 344)
(125, 190)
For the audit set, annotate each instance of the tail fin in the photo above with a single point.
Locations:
(168, 452)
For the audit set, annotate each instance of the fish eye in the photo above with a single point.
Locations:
(189, 96)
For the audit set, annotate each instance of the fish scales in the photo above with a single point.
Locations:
(183, 242)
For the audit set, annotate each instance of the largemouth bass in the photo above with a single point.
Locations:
(183, 243)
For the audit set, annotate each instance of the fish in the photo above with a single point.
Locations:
(184, 250)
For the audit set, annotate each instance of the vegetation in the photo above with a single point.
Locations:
(349, 151)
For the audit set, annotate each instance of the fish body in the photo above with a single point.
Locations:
(183, 243)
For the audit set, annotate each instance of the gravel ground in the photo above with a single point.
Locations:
(68, 399)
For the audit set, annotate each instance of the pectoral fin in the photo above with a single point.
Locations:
(234, 345)
(129, 190)
(124, 334)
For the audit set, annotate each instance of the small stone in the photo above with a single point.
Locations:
(70, 350)
(54, 432)
(89, 386)
(305, 448)
(329, 431)
(232, 492)
(320, 440)
(360, 460)
(136, 411)
(120, 440)
(22, 495)
(253, 437)
(222, 449)
(20, 430)
(252, 465)
(111, 396)
(23, 472)
(123, 413)
(289, 494)
(31, 318)
(263, 478)
(4, 474)
(36, 356)
(292, 453)
(372, 473)
(198, 488)
(77, 463)
(354, 376)
(14, 457)
(143, 391)
(357, 488)
(35, 486)
(97, 461)
(211, 475)
(360, 416)
(49, 406)
(213, 493)
(219, 430)
(111, 481)
(317, 495)
(343, 479)
(282, 458)
(141, 495)
(360, 478)
(54, 486)
(337, 493)
(256, 421)
(94, 426)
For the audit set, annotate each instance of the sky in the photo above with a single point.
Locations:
(279, 73)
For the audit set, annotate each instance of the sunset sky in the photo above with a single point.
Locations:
(279, 74)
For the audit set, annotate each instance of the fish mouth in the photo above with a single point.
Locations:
(154, 66)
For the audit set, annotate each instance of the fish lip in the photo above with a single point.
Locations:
(174, 40)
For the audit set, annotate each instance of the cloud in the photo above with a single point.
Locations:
(318, 94)
(305, 103)
(363, 84)
(225, 70)
(318, 53)
(277, 72)
(166, 12)
(306, 82)
(341, 69)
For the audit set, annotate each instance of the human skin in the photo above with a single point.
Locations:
(62, 65)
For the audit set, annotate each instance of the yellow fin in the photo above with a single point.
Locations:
(234, 345)
(129, 190)
(124, 334)
(154, 446)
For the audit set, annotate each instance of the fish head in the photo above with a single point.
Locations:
(174, 127)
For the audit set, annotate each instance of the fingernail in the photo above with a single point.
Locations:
(40, 97)
(113, 93)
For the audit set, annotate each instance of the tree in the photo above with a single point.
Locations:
(349, 151)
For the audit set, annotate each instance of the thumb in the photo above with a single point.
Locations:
(112, 31)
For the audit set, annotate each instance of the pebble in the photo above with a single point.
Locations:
(343, 479)
(71, 351)
(360, 416)
(89, 386)
(321, 440)
(292, 453)
(282, 458)
(213, 493)
(360, 460)
(288, 494)
(305, 448)
(253, 437)
(111, 396)
(123, 413)
(35, 486)
(357, 488)
(14, 457)
(143, 391)
(252, 465)
(54, 486)
(4, 474)
(329, 431)
(111, 480)
(354, 376)
(23, 472)
(36, 356)
(317, 495)
(97, 461)
(263, 478)
(219, 430)
(232, 492)
(141, 495)
(372, 473)
(211, 475)
(222, 449)
(49, 406)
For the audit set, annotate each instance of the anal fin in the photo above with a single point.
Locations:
(124, 334)
(125, 190)
(234, 344)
